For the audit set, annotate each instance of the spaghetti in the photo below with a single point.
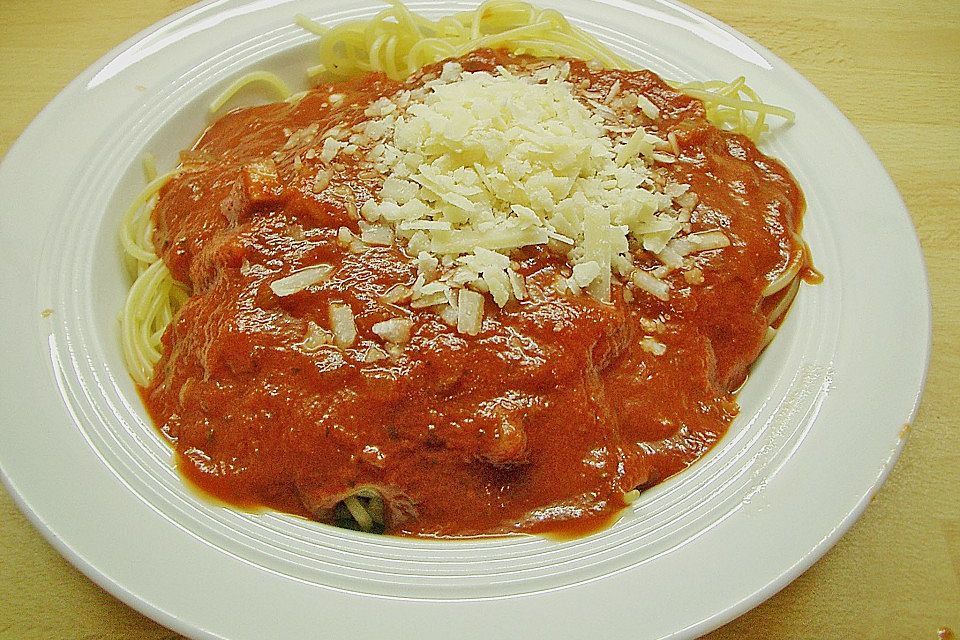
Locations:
(398, 43)
(155, 296)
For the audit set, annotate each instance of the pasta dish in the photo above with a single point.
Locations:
(482, 279)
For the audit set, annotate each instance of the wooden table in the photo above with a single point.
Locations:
(892, 68)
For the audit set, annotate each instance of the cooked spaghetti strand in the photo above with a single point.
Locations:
(278, 86)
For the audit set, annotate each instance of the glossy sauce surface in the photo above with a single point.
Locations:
(540, 423)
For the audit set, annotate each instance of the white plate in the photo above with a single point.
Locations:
(819, 431)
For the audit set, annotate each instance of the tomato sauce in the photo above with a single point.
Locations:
(540, 423)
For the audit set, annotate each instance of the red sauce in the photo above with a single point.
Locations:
(540, 423)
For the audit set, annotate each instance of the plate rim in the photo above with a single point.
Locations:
(171, 621)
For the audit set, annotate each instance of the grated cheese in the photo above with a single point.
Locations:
(396, 293)
(654, 286)
(301, 279)
(652, 346)
(377, 236)
(469, 312)
(316, 337)
(478, 165)
(331, 147)
(374, 354)
(395, 330)
(343, 325)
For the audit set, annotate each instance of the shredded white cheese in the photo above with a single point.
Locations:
(653, 346)
(395, 330)
(469, 312)
(316, 337)
(654, 286)
(301, 279)
(374, 354)
(478, 165)
(343, 326)
(475, 166)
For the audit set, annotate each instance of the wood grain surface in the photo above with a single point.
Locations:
(892, 68)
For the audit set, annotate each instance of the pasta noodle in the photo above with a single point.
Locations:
(155, 296)
(278, 86)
